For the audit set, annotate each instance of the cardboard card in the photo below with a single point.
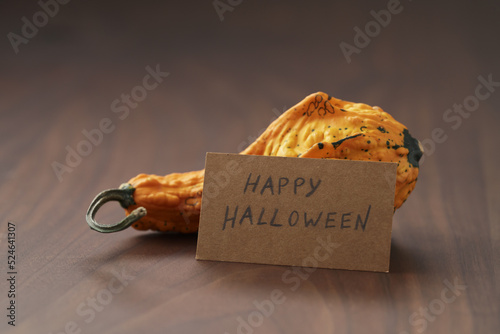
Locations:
(323, 213)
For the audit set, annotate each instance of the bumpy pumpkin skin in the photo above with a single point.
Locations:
(320, 126)
(173, 202)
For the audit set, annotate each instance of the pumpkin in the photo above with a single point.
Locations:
(320, 126)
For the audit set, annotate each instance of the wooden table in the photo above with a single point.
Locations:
(227, 80)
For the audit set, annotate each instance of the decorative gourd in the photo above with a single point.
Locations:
(320, 126)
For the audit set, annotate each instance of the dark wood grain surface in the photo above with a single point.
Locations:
(227, 80)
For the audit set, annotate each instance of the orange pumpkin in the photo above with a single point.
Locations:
(319, 126)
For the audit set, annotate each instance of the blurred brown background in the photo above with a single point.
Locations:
(227, 79)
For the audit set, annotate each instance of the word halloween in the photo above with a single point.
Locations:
(331, 219)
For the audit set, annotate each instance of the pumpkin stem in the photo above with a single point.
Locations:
(125, 198)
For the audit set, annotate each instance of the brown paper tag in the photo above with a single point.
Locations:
(297, 211)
